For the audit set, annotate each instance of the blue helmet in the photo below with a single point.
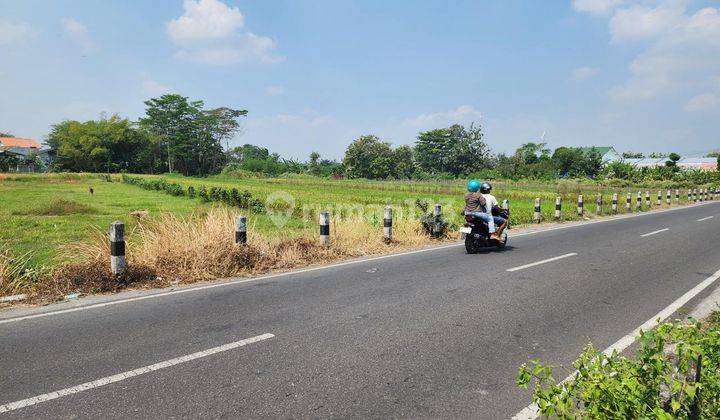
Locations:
(473, 185)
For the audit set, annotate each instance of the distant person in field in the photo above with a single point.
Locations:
(476, 204)
(91, 190)
(491, 207)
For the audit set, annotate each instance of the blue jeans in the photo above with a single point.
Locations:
(490, 220)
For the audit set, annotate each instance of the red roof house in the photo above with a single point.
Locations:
(16, 142)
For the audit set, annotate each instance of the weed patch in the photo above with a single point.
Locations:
(58, 207)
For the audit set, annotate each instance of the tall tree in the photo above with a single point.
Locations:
(455, 150)
(403, 162)
(174, 120)
(368, 157)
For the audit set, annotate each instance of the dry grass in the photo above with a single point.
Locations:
(58, 207)
(171, 249)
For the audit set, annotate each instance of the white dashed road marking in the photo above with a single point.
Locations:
(704, 218)
(654, 232)
(129, 374)
(541, 262)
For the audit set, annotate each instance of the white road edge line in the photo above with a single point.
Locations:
(129, 374)
(705, 218)
(531, 412)
(325, 267)
(542, 262)
(654, 232)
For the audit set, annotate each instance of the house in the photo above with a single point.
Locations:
(646, 162)
(608, 153)
(21, 151)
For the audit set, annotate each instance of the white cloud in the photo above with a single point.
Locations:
(274, 90)
(684, 56)
(583, 73)
(463, 113)
(642, 22)
(11, 33)
(154, 88)
(204, 19)
(703, 102)
(78, 33)
(595, 6)
(209, 32)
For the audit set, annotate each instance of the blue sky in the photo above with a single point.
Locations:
(640, 75)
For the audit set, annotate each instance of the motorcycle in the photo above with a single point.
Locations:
(477, 235)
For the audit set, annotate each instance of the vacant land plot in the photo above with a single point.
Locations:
(50, 221)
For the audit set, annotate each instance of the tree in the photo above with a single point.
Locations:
(314, 163)
(403, 162)
(247, 151)
(568, 161)
(672, 161)
(455, 150)
(368, 157)
(5, 134)
(530, 153)
(174, 120)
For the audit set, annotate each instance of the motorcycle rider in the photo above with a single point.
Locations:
(491, 203)
(476, 204)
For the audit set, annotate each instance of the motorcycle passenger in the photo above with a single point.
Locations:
(476, 204)
(491, 203)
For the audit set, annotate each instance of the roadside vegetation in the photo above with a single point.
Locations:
(675, 373)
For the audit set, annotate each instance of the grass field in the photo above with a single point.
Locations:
(48, 221)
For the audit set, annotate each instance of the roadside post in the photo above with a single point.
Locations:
(241, 230)
(437, 227)
(580, 205)
(558, 207)
(689, 195)
(695, 198)
(677, 196)
(536, 214)
(506, 209)
(659, 199)
(628, 202)
(387, 224)
(647, 199)
(598, 204)
(615, 203)
(668, 197)
(638, 205)
(324, 228)
(117, 248)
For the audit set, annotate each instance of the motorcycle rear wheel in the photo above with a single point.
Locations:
(470, 244)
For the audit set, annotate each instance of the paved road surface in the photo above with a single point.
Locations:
(429, 334)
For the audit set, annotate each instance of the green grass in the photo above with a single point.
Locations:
(41, 213)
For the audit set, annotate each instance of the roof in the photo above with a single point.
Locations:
(698, 160)
(17, 142)
(602, 150)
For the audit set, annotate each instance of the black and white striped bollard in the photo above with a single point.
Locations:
(695, 198)
(437, 227)
(558, 207)
(647, 199)
(117, 248)
(536, 214)
(689, 195)
(598, 204)
(668, 197)
(506, 209)
(659, 199)
(638, 205)
(677, 196)
(615, 203)
(628, 202)
(241, 230)
(387, 224)
(580, 205)
(324, 228)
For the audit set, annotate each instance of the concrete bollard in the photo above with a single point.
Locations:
(437, 227)
(647, 199)
(325, 228)
(659, 199)
(558, 207)
(668, 197)
(689, 196)
(677, 196)
(580, 205)
(701, 195)
(241, 230)
(615, 203)
(117, 248)
(695, 198)
(628, 202)
(536, 214)
(638, 204)
(387, 224)
(598, 204)
(506, 209)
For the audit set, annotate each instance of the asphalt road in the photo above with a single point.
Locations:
(429, 334)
